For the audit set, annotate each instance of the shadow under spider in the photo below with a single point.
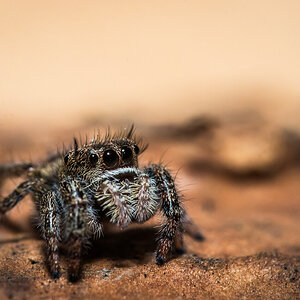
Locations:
(130, 244)
(137, 244)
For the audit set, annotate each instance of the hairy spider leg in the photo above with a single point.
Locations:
(76, 227)
(171, 209)
(51, 219)
(13, 170)
(147, 204)
(16, 196)
(189, 227)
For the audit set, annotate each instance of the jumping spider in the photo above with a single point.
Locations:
(76, 191)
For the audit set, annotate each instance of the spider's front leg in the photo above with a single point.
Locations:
(76, 226)
(171, 229)
(51, 219)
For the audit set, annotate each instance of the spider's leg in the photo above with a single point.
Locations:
(13, 170)
(51, 218)
(189, 227)
(76, 226)
(170, 205)
(17, 195)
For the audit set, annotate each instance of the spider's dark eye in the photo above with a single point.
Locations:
(110, 158)
(136, 149)
(66, 158)
(93, 158)
(126, 154)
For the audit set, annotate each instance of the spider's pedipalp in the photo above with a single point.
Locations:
(147, 198)
(115, 201)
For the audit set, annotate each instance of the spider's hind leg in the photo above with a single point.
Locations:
(190, 228)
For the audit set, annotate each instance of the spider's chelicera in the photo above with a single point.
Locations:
(76, 191)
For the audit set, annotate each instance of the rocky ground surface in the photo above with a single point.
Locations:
(241, 184)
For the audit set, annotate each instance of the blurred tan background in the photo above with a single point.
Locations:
(63, 62)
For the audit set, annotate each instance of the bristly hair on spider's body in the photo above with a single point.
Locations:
(94, 182)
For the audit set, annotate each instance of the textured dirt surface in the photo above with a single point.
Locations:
(248, 212)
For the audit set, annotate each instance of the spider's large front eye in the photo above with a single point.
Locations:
(126, 154)
(93, 158)
(110, 158)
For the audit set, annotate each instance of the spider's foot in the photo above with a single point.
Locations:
(55, 274)
(160, 260)
(74, 270)
(164, 248)
(53, 264)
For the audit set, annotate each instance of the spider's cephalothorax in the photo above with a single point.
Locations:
(76, 191)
